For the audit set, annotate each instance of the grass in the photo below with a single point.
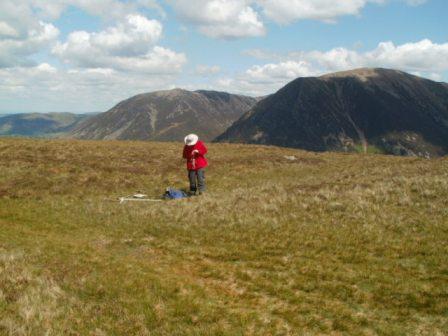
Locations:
(371, 149)
(328, 244)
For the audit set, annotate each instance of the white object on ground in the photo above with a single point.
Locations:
(291, 158)
(140, 196)
(128, 199)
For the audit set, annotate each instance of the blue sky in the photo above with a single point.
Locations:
(87, 55)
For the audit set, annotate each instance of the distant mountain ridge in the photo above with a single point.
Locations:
(166, 116)
(369, 110)
(365, 109)
(51, 124)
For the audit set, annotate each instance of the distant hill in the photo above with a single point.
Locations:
(361, 110)
(39, 124)
(166, 116)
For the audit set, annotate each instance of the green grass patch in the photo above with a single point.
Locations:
(331, 243)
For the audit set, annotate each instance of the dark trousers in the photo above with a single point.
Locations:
(197, 180)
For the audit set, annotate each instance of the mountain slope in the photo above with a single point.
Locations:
(39, 124)
(365, 109)
(166, 116)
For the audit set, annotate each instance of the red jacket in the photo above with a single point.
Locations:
(195, 161)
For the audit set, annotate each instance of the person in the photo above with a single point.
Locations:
(194, 152)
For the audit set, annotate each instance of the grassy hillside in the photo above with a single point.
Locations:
(328, 244)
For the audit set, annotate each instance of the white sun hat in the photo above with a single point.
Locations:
(191, 139)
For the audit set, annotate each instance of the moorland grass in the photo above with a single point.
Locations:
(327, 244)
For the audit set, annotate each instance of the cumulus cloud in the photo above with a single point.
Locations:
(25, 27)
(6, 30)
(129, 46)
(286, 11)
(260, 80)
(16, 51)
(227, 19)
(269, 73)
(129, 37)
(104, 67)
(16, 18)
(52, 89)
(423, 58)
(224, 19)
(105, 8)
(22, 34)
(265, 79)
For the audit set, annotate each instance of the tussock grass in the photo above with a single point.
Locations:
(327, 244)
(31, 304)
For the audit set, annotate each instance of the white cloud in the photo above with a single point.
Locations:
(224, 19)
(7, 31)
(269, 73)
(260, 80)
(15, 51)
(129, 37)
(52, 89)
(25, 27)
(230, 19)
(109, 9)
(423, 58)
(104, 67)
(128, 46)
(287, 11)
(16, 18)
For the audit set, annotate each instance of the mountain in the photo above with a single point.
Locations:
(167, 116)
(365, 109)
(39, 124)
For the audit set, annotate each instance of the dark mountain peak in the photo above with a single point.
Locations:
(214, 92)
(167, 116)
(364, 74)
(382, 109)
(171, 93)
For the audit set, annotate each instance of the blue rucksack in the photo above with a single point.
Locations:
(171, 193)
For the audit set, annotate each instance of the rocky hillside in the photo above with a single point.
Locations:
(361, 110)
(39, 124)
(167, 116)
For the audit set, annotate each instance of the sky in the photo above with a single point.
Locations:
(88, 55)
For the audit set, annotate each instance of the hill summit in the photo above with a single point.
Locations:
(361, 110)
(166, 116)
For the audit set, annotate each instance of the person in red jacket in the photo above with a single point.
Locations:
(194, 153)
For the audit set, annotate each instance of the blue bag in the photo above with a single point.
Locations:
(171, 193)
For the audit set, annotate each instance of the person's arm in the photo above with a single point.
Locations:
(202, 150)
(184, 154)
